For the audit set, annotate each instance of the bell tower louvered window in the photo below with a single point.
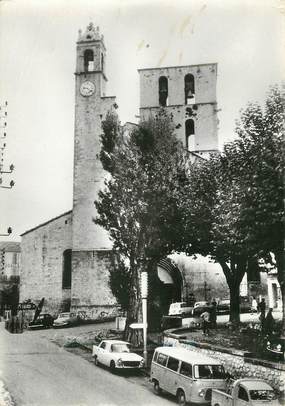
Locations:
(189, 89)
(163, 91)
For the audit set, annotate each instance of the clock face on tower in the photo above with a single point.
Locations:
(87, 88)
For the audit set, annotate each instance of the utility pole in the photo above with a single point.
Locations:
(144, 294)
(3, 135)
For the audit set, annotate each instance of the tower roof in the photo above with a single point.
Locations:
(91, 34)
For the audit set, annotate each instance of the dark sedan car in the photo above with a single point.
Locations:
(44, 320)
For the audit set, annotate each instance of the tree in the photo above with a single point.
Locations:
(259, 154)
(211, 219)
(139, 203)
(234, 202)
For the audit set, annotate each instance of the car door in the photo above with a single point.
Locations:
(171, 375)
(101, 357)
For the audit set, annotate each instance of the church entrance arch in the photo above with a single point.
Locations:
(172, 284)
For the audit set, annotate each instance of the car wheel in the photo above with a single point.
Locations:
(96, 362)
(181, 399)
(113, 367)
(156, 388)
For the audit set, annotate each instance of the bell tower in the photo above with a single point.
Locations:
(90, 243)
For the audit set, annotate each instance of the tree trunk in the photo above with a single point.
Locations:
(134, 313)
(234, 306)
(234, 272)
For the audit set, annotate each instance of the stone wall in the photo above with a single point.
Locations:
(90, 287)
(235, 363)
(42, 262)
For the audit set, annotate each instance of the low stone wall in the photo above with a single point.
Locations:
(234, 361)
(96, 312)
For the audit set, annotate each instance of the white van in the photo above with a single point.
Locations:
(179, 309)
(188, 375)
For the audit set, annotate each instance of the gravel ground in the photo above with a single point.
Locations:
(5, 398)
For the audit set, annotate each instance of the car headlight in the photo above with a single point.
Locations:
(279, 347)
(202, 393)
(120, 363)
(268, 344)
(142, 363)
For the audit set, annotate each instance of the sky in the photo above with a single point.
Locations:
(37, 54)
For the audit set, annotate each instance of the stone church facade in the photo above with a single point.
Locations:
(66, 259)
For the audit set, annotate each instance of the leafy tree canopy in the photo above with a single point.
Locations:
(139, 205)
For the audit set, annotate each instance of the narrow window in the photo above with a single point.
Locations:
(102, 62)
(15, 258)
(190, 133)
(155, 356)
(186, 369)
(88, 60)
(162, 359)
(163, 91)
(173, 364)
(189, 88)
(66, 271)
(242, 394)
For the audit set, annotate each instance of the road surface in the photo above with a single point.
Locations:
(39, 373)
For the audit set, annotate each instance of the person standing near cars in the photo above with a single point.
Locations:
(269, 323)
(213, 315)
(262, 307)
(254, 305)
(205, 317)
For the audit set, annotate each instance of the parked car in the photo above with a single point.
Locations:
(179, 309)
(247, 391)
(244, 306)
(116, 354)
(188, 375)
(65, 319)
(201, 307)
(275, 347)
(44, 320)
(223, 307)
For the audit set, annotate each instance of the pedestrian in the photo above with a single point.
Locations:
(213, 315)
(269, 322)
(261, 307)
(205, 317)
(254, 305)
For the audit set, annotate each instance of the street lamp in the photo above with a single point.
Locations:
(144, 293)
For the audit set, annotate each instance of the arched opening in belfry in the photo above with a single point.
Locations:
(190, 134)
(163, 91)
(88, 60)
(66, 269)
(189, 89)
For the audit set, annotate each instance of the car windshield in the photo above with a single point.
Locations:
(120, 348)
(209, 371)
(62, 315)
(199, 304)
(262, 395)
